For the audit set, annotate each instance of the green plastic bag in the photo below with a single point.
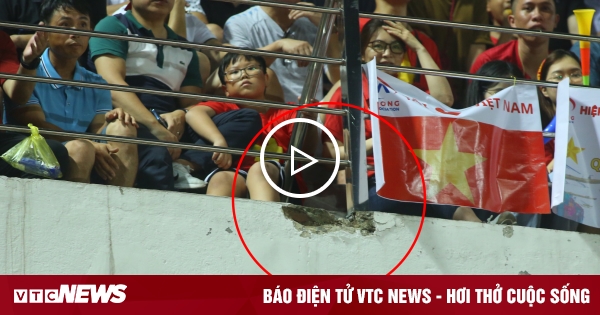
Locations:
(34, 156)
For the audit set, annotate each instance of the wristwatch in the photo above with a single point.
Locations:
(32, 65)
(183, 109)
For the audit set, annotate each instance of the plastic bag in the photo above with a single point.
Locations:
(34, 156)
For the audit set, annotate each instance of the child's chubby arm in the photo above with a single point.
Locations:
(200, 119)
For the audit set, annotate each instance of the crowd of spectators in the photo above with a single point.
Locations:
(210, 71)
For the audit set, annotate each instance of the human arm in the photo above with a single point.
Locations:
(442, 91)
(200, 119)
(236, 34)
(20, 91)
(177, 18)
(112, 69)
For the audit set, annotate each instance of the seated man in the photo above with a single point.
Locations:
(20, 91)
(166, 68)
(246, 77)
(526, 52)
(69, 108)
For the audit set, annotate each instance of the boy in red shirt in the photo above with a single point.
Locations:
(245, 77)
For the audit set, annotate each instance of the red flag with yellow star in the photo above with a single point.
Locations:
(487, 156)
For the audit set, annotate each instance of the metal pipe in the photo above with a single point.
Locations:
(313, 77)
(479, 27)
(323, 9)
(178, 145)
(468, 76)
(169, 42)
(131, 89)
(354, 124)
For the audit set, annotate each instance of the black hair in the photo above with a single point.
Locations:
(497, 68)
(367, 32)
(50, 6)
(547, 108)
(234, 57)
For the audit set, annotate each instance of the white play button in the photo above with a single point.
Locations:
(294, 150)
(312, 161)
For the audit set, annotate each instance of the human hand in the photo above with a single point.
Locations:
(122, 116)
(398, 30)
(104, 164)
(175, 122)
(299, 47)
(35, 47)
(314, 17)
(222, 160)
(161, 133)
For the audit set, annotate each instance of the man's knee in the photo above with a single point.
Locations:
(116, 128)
(81, 150)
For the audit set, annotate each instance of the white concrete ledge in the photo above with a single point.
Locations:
(51, 227)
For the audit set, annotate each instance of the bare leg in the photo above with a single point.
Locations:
(465, 214)
(220, 185)
(258, 186)
(82, 155)
(127, 157)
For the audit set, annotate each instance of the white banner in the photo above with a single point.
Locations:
(576, 178)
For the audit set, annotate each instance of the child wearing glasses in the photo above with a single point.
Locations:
(245, 77)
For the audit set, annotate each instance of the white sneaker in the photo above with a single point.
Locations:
(185, 180)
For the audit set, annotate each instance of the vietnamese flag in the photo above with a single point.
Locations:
(488, 156)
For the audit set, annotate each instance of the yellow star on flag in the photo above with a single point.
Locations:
(448, 165)
(573, 150)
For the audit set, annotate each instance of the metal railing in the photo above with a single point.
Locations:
(345, 11)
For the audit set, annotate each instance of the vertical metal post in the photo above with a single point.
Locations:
(354, 125)
(315, 71)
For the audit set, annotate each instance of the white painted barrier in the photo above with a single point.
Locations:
(51, 227)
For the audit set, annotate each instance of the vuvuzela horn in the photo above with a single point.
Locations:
(584, 22)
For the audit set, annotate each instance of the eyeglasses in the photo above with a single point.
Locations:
(251, 70)
(573, 76)
(381, 46)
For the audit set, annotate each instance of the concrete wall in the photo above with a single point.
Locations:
(50, 227)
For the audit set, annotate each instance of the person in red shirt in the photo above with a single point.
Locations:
(526, 52)
(245, 76)
(399, 8)
(19, 92)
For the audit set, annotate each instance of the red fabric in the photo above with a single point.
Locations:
(508, 52)
(428, 43)
(494, 40)
(335, 124)
(500, 172)
(9, 62)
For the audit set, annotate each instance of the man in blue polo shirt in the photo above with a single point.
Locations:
(166, 68)
(77, 109)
